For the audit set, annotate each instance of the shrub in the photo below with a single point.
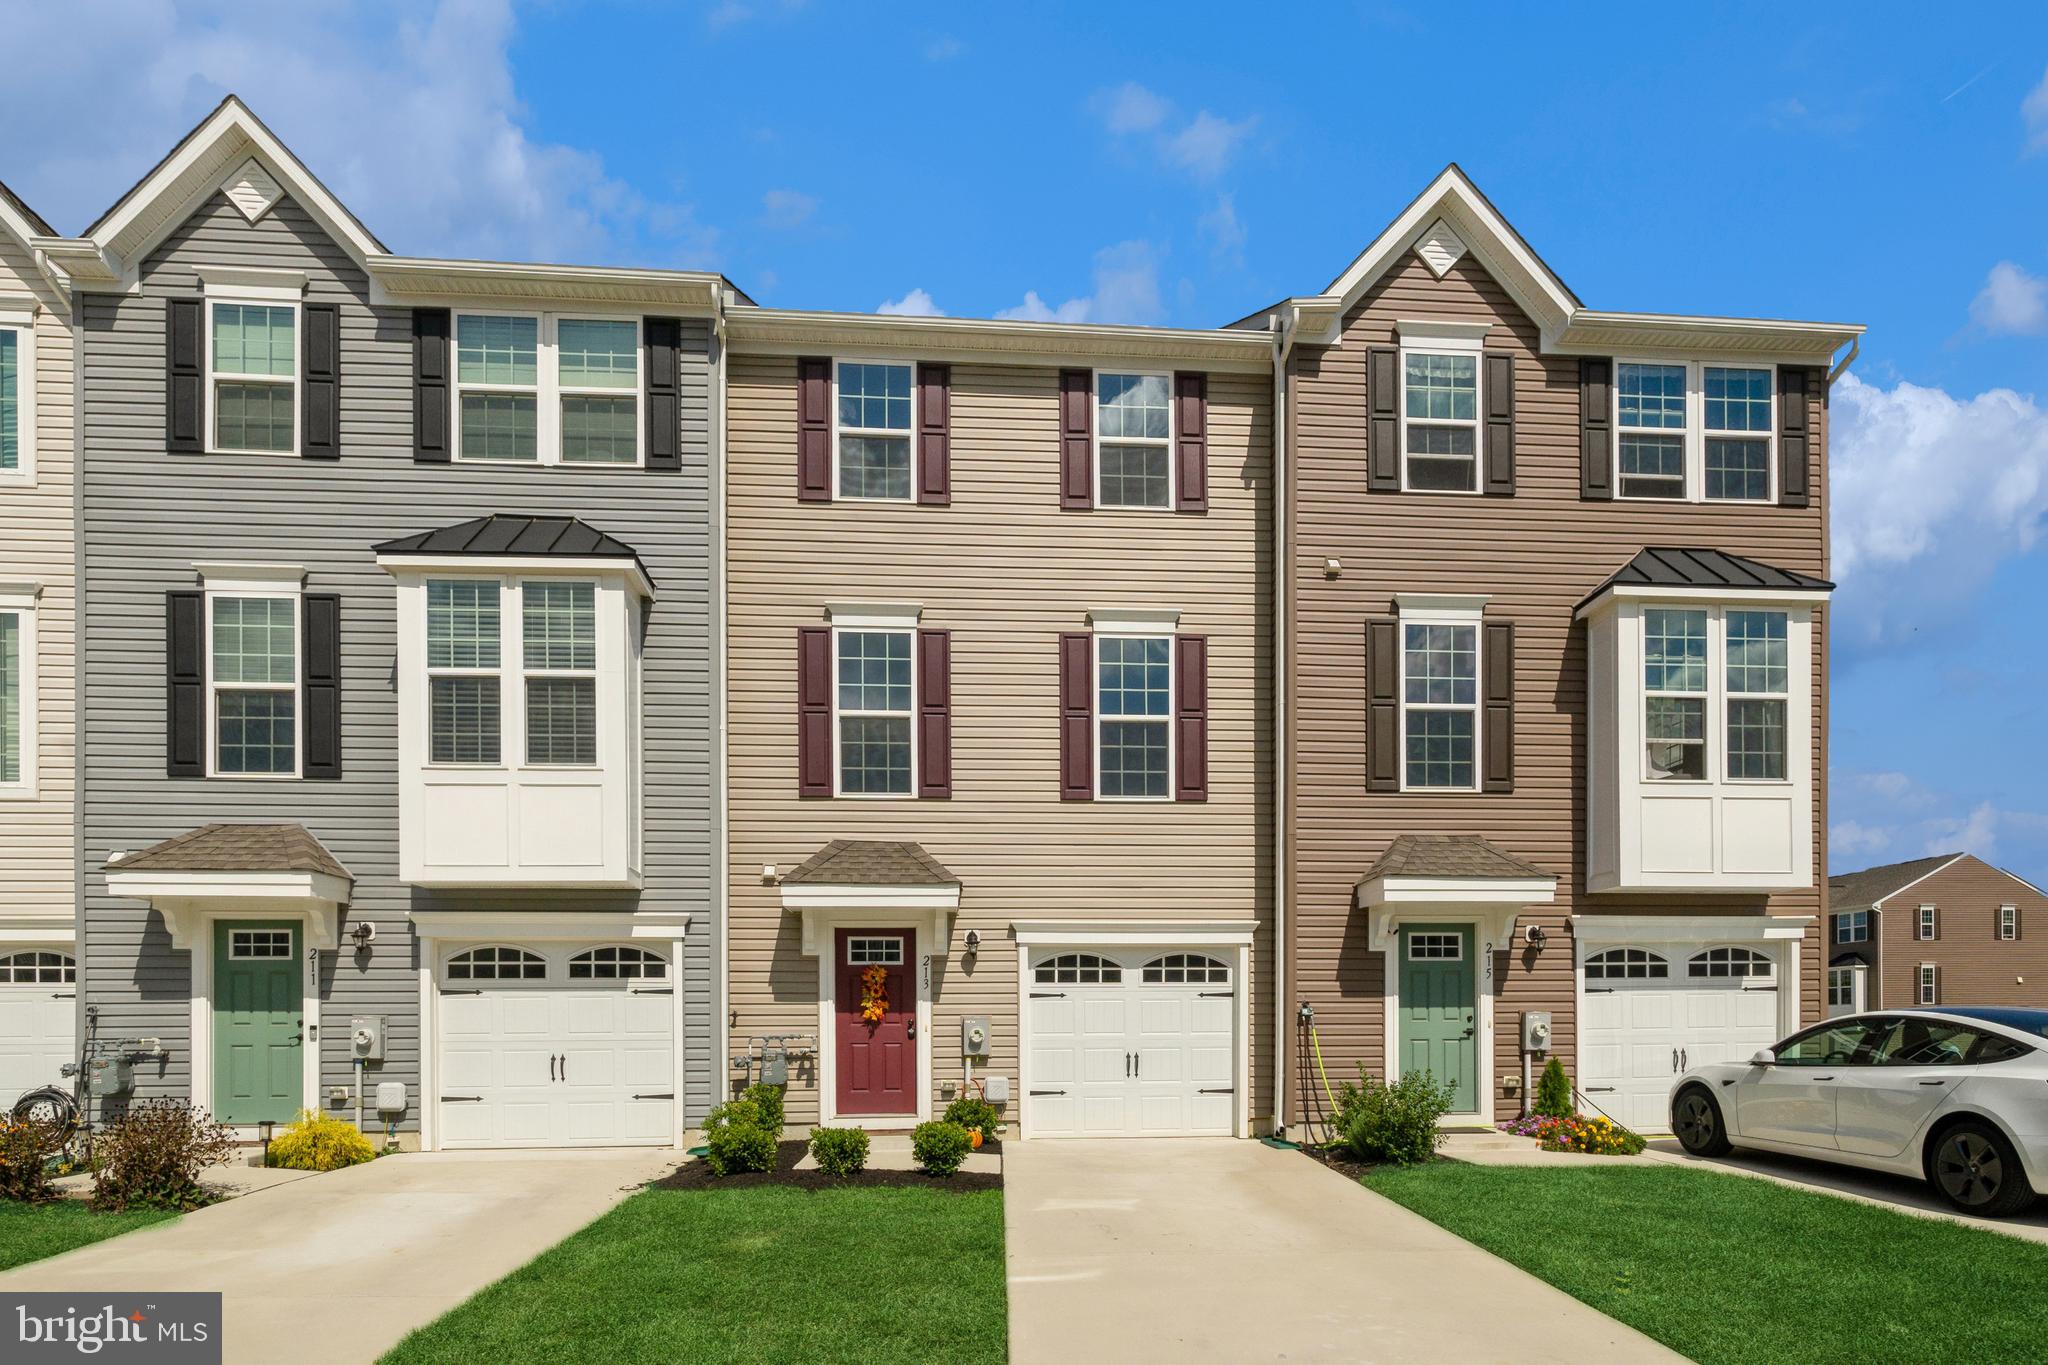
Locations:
(940, 1147)
(768, 1099)
(972, 1111)
(26, 1146)
(315, 1142)
(1554, 1093)
(153, 1157)
(737, 1139)
(840, 1152)
(1397, 1123)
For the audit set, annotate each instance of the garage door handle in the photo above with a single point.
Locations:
(1599, 990)
(462, 1099)
(1048, 1092)
(1599, 1089)
(551, 1065)
(1048, 995)
(1759, 988)
(478, 991)
(653, 990)
(63, 995)
(664, 1095)
(1226, 1090)
(1215, 995)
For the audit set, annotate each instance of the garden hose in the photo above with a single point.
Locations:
(1315, 1042)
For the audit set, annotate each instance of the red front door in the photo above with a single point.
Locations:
(876, 1058)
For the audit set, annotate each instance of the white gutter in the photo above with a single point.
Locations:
(1855, 346)
(1283, 345)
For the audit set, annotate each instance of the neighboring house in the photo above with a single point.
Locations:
(1946, 930)
(1001, 728)
(1555, 672)
(38, 699)
(401, 709)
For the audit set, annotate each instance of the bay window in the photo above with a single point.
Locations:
(1134, 716)
(463, 668)
(1134, 440)
(545, 388)
(1677, 733)
(873, 712)
(1758, 689)
(872, 445)
(1691, 431)
(1675, 693)
(560, 637)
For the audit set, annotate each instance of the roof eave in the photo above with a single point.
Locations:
(1587, 332)
(1766, 597)
(631, 570)
(776, 331)
(413, 279)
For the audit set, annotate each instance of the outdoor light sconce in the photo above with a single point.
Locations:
(362, 935)
(1332, 568)
(1535, 934)
(973, 942)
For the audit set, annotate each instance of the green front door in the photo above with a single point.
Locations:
(1440, 1009)
(258, 1057)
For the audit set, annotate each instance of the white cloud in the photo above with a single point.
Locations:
(1223, 229)
(2011, 302)
(1930, 494)
(412, 117)
(1202, 147)
(1975, 833)
(915, 304)
(1205, 147)
(1849, 841)
(1131, 108)
(1126, 290)
(2034, 113)
(787, 208)
(943, 49)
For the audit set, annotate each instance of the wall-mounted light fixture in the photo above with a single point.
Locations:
(1332, 568)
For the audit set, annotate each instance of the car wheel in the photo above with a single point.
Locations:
(1696, 1119)
(1973, 1167)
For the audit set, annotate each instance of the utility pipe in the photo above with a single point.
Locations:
(1285, 328)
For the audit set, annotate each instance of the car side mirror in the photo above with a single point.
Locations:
(1763, 1057)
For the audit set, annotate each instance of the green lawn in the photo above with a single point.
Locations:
(29, 1232)
(762, 1274)
(1726, 1268)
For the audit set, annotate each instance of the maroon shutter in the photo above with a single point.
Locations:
(1077, 438)
(1596, 429)
(813, 711)
(935, 713)
(1794, 440)
(814, 430)
(935, 435)
(1497, 477)
(1382, 706)
(1191, 442)
(1383, 420)
(1499, 737)
(1077, 718)
(1191, 717)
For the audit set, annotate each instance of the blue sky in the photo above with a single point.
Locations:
(1189, 164)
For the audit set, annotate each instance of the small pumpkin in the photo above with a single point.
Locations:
(974, 1138)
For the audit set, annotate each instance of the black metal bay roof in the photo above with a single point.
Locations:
(1666, 566)
(500, 534)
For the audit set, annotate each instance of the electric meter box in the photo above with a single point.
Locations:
(391, 1097)
(974, 1036)
(1535, 1030)
(366, 1037)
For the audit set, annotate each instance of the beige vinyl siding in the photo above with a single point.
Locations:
(1976, 966)
(1006, 571)
(1538, 554)
(37, 540)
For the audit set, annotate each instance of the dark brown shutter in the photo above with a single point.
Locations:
(185, 691)
(1077, 439)
(935, 713)
(431, 443)
(320, 405)
(663, 384)
(814, 430)
(1498, 475)
(1077, 718)
(1596, 429)
(1937, 922)
(185, 376)
(1794, 440)
(813, 711)
(322, 680)
(1383, 706)
(1191, 442)
(1383, 424)
(1499, 719)
(935, 435)
(1191, 717)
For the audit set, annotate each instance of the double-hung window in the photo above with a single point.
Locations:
(1759, 691)
(1440, 420)
(559, 629)
(1134, 716)
(873, 417)
(873, 712)
(1134, 440)
(253, 681)
(1738, 434)
(2008, 922)
(1928, 982)
(1925, 925)
(17, 697)
(541, 388)
(1852, 926)
(1692, 431)
(1439, 705)
(253, 355)
(17, 398)
(1650, 430)
(464, 699)
(1675, 693)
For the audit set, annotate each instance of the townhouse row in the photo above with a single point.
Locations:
(522, 703)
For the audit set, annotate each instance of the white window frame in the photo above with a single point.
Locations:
(1172, 502)
(842, 626)
(1845, 977)
(1414, 342)
(1717, 695)
(1856, 920)
(1926, 924)
(278, 583)
(898, 947)
(2008, 923)
(1927, 984)
(1418, 611)
(909, 434)
(1717, 634)
(512, 672)
(19, 601)
(1695, 432)
(595, 673)
(547, 390)
(1436, 939)
(23, 325)
(1132, 629)
(255, 297)
(429, 672)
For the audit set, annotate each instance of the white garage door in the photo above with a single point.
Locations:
(1654, 1012)
(38, 998)
(1134, 1043)
(550, 1048)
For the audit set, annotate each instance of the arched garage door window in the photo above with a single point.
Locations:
(497, 964)
(39, 969)
(618, 963)
(1627, 964)
(1176, 969)
(1078, 969)
(1727, 962)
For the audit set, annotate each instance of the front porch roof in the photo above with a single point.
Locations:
(882, 877)
(1460, 876)
(252, 868)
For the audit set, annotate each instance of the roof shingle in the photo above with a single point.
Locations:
(35, 220)
(870, 862)
(1448, 855)
(1668, 566)
(236, 848)
(1861, 890)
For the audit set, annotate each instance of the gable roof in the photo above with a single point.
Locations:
(1449, 855)
(1674, 566)
(236, 848)
(870, 862)
(30, 219)
(1870, 888)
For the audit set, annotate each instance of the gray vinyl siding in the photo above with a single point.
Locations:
(149, 516)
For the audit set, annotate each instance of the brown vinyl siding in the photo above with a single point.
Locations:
(1537, 553)
(1006, 571)
(1977, 967)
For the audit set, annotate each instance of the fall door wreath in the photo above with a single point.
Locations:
(874, 994)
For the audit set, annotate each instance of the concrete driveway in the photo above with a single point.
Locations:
(340, 1266)
(1214, 1249)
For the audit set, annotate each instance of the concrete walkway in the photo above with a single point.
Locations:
(1223, 1250)
(338, 1267)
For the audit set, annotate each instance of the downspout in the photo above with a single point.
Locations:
(1283, 344)
(721, 818)
(1855, 346)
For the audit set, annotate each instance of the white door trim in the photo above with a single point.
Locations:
(207, 923)
(1482, 920)
(821, 937)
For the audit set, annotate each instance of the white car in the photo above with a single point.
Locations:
(1956, 1096)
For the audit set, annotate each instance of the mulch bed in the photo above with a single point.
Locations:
(695, 1174)
(1338, 1162)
